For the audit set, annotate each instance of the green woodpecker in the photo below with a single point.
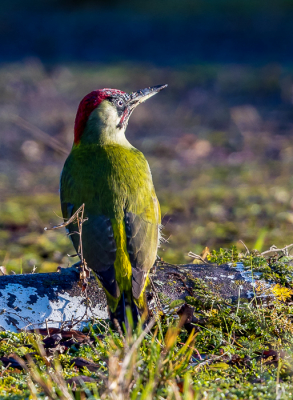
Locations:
(112, 178)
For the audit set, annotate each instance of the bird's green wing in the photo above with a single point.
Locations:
(98, 243)
(142, 232)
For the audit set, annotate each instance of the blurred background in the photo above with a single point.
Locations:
(218, 140)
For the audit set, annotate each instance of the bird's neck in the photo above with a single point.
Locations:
(102, 129)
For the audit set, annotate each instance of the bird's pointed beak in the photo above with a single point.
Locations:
(142, 95)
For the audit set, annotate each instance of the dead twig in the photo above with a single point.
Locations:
(274, 249)
(197, 257)
(78, 217)
(246, 248)
(73, 218)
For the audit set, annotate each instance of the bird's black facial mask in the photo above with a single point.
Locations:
(126, 103)
(120, 102)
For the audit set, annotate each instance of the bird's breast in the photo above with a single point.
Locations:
(107, 179)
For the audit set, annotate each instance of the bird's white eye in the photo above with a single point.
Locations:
(120, 103)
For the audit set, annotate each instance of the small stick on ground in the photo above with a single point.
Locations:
(197, 257)
(274, 249)
(246, 248)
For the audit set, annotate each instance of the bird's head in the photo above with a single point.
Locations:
(103, 114)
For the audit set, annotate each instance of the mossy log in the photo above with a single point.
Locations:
(32, 301)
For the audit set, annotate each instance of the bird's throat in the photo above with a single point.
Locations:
(103, 128)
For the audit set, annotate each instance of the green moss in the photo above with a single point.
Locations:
(230, 339)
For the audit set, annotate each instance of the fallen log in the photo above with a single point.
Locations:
(32, 301)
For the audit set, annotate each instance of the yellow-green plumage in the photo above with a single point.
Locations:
(113, 180)
(110, 179)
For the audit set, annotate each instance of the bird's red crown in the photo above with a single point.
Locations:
(87, 106)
